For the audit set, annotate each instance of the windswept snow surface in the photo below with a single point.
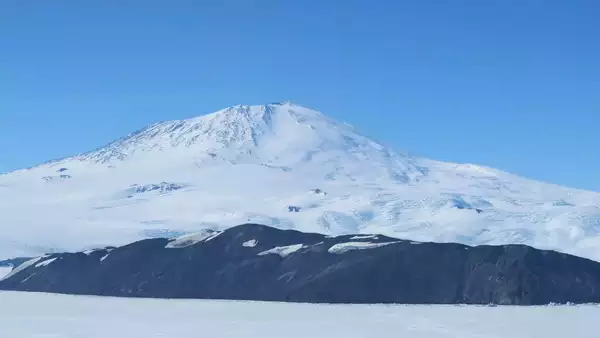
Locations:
(255, 164)
(29, 315)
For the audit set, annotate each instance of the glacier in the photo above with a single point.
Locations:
(281, 165)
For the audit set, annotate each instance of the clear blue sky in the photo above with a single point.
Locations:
(508, 84)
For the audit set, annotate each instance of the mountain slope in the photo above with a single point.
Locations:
(282, 165)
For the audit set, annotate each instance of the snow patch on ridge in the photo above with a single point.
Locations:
(283, 250)
(341, 248)
(365, 237)
(250, 244)
(46, 262)
(191, 239)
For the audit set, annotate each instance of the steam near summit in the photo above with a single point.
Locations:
(287, 166)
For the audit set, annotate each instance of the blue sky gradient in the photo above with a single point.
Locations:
(508, 84)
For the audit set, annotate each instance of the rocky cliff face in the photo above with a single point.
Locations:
(255, 262)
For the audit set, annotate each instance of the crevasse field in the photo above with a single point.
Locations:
(28, 315)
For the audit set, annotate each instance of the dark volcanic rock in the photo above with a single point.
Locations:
(162, 187)
(255, 262)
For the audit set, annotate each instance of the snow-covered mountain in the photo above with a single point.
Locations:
(287, 166)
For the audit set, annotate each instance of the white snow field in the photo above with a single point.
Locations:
(31, 315)
(286, 166)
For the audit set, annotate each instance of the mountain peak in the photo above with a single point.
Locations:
(280, 128)
(282, 135)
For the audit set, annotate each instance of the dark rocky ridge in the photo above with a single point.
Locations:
(229, 266)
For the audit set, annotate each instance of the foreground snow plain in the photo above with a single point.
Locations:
(27, 315)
